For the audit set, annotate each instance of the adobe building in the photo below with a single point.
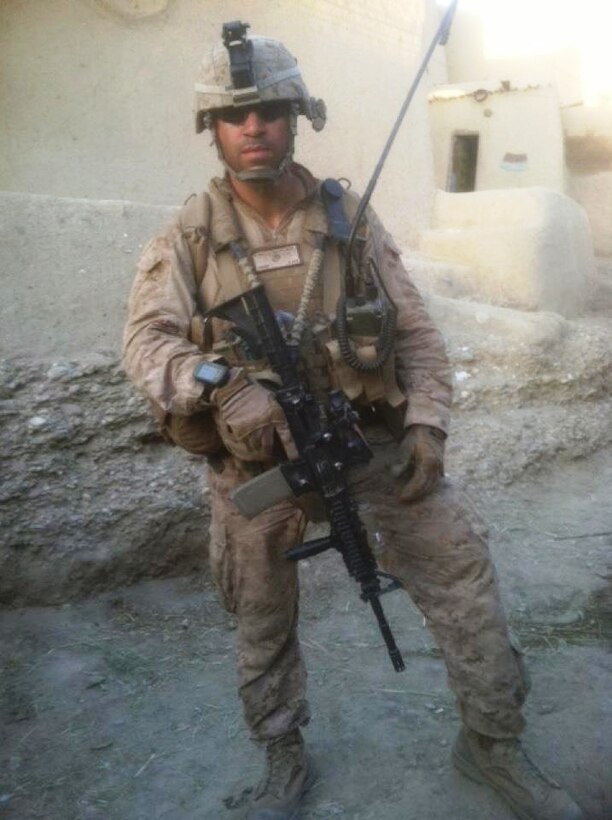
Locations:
(501, 210)
(488, 135)
(539, 119)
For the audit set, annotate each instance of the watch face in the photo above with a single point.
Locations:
(211, 373)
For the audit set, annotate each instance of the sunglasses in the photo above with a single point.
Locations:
(266, 111)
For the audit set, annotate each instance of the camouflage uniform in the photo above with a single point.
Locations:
(436, 546)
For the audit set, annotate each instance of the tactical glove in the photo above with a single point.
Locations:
(250, 421)
(421, 461)
(196, 433)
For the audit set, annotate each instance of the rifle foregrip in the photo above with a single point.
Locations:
(308, 549)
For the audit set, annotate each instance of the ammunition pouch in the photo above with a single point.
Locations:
(364, 387)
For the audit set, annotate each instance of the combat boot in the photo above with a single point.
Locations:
(287, 777)
(504, 765)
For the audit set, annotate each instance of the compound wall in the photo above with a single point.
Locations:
(96, 95)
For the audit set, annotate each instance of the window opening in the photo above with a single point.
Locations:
(464, 158)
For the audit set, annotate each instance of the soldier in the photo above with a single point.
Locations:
(215, 400)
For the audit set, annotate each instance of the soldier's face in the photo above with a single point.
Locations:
(254, 137)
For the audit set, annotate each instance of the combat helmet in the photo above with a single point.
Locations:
(246, 71)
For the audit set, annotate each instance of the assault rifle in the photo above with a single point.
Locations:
(328, 443)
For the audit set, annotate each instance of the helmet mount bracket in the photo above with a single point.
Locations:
(240, 51)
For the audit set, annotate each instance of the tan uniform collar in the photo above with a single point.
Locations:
(316, 219)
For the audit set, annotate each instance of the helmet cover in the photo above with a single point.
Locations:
(276, 76)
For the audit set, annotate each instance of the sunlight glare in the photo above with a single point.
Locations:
(528, 28)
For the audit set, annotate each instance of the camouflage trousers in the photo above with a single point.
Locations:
(436, 547)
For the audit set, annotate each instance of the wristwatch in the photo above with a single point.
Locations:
(211, 375)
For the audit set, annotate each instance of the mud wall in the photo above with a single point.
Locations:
(68, 266)
(96, 95)
(588, 151)
(527, 248)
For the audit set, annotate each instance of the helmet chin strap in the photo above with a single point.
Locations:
(259, 175)
(263, 175)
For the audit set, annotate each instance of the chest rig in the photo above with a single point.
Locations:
(302, 271)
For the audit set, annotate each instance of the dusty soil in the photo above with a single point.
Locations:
(123, 706)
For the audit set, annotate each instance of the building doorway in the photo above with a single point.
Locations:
(464, 159)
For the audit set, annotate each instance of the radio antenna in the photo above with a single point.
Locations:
(440, 38)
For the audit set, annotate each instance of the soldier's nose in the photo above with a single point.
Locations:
(253, 123)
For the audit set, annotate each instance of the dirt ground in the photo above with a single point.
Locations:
(123, 706)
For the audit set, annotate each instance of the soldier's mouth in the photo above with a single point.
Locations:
(256, 149)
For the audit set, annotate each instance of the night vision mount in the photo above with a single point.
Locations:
(240, 50)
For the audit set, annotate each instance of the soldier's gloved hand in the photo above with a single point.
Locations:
(250, 421)
(196, 433)
(421, 461)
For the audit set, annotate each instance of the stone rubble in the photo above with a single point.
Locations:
(92, 498)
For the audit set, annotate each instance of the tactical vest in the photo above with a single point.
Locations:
(210, 223)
